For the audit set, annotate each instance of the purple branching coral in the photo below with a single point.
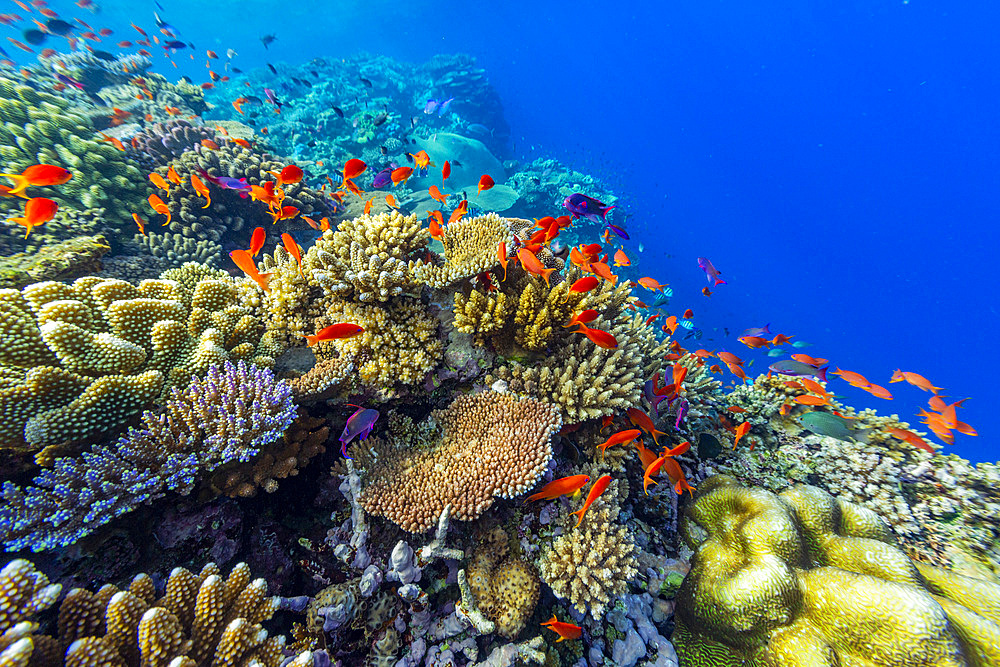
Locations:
(228, 416)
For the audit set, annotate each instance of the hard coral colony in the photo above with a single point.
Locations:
(205, 283)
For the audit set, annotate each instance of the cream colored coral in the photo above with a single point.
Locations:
(591, 564)
(470, 247)
(492, 445)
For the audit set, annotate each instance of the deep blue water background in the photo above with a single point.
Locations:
(838, 161)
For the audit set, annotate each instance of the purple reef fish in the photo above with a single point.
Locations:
(359, 425)
(757, 331)
(68, 80)
(616, 229)
(682, 410)
(240, 185)
(444, 106)
(431, 106)
(798, 369)
(382, 179)
(582, 206)
(654, 399)
(710, 271)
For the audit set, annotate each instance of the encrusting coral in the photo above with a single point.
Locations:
(505, 587)
(93, 353)
(491, 445)
(227, 418)
(201, 619)
(802, 578)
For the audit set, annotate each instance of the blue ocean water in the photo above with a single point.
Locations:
(836, 161)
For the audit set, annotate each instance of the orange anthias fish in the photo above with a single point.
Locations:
(911, 438)
(651, 284)
(245, 262)
(293, 249)
(391, 201)
(284, 213)
(583, 317)
(201, 189)
(437, 231)
(532, 265)
(604, 271)
(877, 391)
(37, 211)
(754, 342)
(502, 258)
(598, 337)
(208, 143)
(37, 175)
(354, 168)
(560, 487)
(421, 159)
(676, 475)
(257, 241)
(485, 182)
(157, 204)
(460, 211)
(445, 171)
(812, 361)
(368, 206)
(852, 378)
(621, 259)
(741, 431)
(585, 284)
(599, 487)
(174, 176)
(436, 194)
(335, 332)
(238, 104)
(400, 175)
(158, 181)
(140, 223)
(916, 380)
(642, 420)
(289, 175)
(564, 630)
(620, 438)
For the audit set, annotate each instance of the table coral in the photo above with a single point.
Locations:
(227, 418)
(803, 578)
(99, 350)
(491, 445)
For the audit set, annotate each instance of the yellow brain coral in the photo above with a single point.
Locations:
(505, 587)
(802, 578)
(491, 445)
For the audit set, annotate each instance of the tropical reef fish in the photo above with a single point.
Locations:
(335, 332)
(797, 369)
(37, 211)
(824, 423)
(37, 175)
(560, 487)
(358, 425)
(599, 487)
(266, 40)
(620, 438)
(916, 380)
(711, 272)
(257, 241)
(564, 630)
(245, 262)
(582, 206)
(485, 182)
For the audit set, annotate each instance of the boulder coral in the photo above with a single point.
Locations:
(803, 578)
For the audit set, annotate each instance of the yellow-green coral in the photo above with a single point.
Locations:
(93, 353)
(470, 247)
(805, 579)
(504, 586)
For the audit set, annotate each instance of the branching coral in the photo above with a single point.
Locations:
(228, 417)
(491, 445)
(470, 247)
(366, 258)
(178, 249)
(202, 619)
(806, 579)
(591, 564)
(95, 352)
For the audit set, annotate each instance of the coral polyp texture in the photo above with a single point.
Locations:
(223, 420)
(491, 445)
(802, 578)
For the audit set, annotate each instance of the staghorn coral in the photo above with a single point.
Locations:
(228, 212)
(202, 619)
(95, 352)
(491, 445)
(300, 443)
(591, 565)
(505, 587)
(470, 247)
(585, 381)
(36, 127)
(177, 250)
(365, 259)
(806, 579)
(227, 418)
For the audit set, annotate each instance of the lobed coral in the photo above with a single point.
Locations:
(491, 445)
(504, 587)
(805, 579)
(93, 353)
(227, 418)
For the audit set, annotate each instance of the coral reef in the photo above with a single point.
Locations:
(803, 578)
(491, 445)
(504, 586)
(227, 418)
(177, 250)
(65, 260)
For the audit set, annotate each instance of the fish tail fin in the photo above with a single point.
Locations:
(545, 274)
(821, 373)
(719, 281)
(579, 518)
(604, 213)
(265, 281)
(311, 340)
(20, 185)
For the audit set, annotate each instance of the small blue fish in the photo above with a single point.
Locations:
(359, 425)
(444, 106)
(801, 344)
(431, 106)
